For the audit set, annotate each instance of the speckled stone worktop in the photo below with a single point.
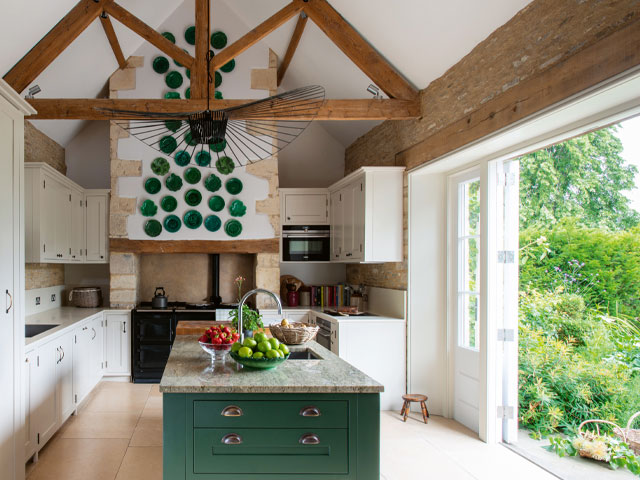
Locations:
(185, 373)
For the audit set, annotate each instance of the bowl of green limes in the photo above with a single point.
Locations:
(259, 352)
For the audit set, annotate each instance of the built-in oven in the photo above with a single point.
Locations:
(324, 332)
(310, 243)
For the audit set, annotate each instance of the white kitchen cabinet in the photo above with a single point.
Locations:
(81, 363)
(367, 216)
(64, 378)
(97, 232)
(44, 389)
(118, 343)
(78, 233)
(304, 206)
(96, 350)
(29, 403)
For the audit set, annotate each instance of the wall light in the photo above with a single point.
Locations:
(33, 91)
(375, 91)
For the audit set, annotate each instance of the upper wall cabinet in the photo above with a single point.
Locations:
(366, 216)
(58, 225)
(304, 206)
(97, 202)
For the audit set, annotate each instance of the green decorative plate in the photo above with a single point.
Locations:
(167, 144)
(237, 208)
(190, 35)
(171, 96)
(160, 64)
(193, 198)
(203, 158)
(187, 93)
(225, 165)
(228, 67)
(192, 175)
(172, 224)
(173, 125)
(182, 158)
(213, 183)
(218, 40)
(218, 95)
(169, 203)
(233, 186)
(148, 208)
(188, 73)
(218, 79)
(212, 223)
(152, 228)
(216, 203)
(192, 219)
(169, 36)
(178, 63)
(188, 138)
(152, 186)
(173, 182)
(218, 146)
(233, 228)
(160, 166)
(174, 79)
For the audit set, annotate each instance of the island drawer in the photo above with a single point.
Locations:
(262, 451)
(271, 414)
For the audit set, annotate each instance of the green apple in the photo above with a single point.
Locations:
(274, 343)
(264, 346)
(236, 346)
(249, 342)
(260, 337)
(272, 354)
(245, 352)
(258, 355)
(284, 349)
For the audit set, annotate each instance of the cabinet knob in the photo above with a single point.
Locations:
(309, 439)
(231, 411)
(232, 439)
(310, 412)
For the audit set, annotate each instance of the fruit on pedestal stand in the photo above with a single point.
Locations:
(220, 336)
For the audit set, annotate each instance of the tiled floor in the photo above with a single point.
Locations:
(117, 435)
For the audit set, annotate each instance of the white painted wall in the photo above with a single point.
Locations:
(316, 273)
(87, 156)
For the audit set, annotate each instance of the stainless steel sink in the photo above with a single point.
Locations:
(33, 330)
(304, 355)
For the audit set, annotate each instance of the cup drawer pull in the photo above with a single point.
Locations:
(309, 439)
(310, 412)
(232, 411)
(232, 439)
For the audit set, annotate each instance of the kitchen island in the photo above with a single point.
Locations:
(308, 419)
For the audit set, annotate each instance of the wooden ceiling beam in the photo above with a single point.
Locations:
(53, 43)
(113, 39)
(199, 74)
(149, 34)
(293, 45)
(359, 50)
(124, 245)
(257, 34)
(338, 110)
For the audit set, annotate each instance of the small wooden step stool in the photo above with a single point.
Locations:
(406, 407)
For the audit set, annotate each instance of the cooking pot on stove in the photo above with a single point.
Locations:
(160, 299)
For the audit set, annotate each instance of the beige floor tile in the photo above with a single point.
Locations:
(141, 463)
(153, 407)
(155, 391)
(118, 397)
(80, 459)
(148, 432)
(101, 425)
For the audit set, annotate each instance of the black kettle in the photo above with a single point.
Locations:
(159, 299)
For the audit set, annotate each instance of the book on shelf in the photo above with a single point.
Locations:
(330, 295)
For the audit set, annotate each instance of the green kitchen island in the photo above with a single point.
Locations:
(313, 418)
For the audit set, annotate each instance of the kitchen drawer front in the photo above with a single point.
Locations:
(264, 451)
(271, 414)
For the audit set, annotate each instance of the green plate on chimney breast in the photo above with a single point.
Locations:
(172, 224)
(178, 64)
(216, 203)
(174, 79)
(153, 228)
(225, 165)
(213, 183)
(193, 197)
(148, 208)
(169, 36)
(237, 208)
(233, 228)
(167, 144)
(169, 203)
(218, 146)
(160, 166)
(173, 182)
(173, 125)
(192, 175)
(182, 158)
(160, 64)
(212, 223)
(192, 219)
(217, 79)
(172, 96)
(227, 67)
(152, 186)
(218, 40)
(190, 35)
(233, 186)
(203, 158)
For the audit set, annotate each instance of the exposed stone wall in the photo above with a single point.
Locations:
(40, 148)
(540, 36)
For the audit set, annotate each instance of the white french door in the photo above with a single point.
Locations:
(464, 267)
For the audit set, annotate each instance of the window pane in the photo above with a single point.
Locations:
(471, 206)
(468, 325)
(469, 264)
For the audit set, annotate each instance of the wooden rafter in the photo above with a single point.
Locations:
(199, 74)
(85, 109)
(257, 34)
(113, 39)
(145, 31)
(268, 245)
(359, 50)
(59, 37)
(293, 45)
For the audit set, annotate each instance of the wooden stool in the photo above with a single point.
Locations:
(406, 407)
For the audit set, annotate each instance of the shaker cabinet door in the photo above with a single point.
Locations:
(96, 222)
(118, 343)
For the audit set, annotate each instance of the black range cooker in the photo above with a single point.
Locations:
(154, 330)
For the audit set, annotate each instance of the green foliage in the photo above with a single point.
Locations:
(611, 269)
(583, 177)
(251, 320)
(606, 448)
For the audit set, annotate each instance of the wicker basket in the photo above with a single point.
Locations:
(86, 297)
(294, 333)
(632, 435)
(617, 430)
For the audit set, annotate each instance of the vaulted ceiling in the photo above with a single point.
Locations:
(421, 39)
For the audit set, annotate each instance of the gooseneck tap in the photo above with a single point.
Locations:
(244, 299)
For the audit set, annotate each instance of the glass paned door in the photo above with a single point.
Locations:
(468, 238)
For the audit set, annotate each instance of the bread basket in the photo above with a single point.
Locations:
(86, 297)
(294, 333)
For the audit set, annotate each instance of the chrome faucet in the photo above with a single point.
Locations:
(244, 299)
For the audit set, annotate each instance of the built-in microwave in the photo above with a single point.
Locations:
(306, 243)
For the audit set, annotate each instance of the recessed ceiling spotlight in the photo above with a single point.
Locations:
(33, 91)
(375, 91)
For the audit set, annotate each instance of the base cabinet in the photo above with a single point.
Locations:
(318, 436)
(118, 343)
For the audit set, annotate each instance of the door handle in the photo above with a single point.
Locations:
(310, 412)
(94, 333)
(62, 349)
(232, 411)
(58, 360)
(7, 294)
(309, 439)
(124, 327)
(232, 439)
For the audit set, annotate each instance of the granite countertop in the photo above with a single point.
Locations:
(185, 373)
(64, 317)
